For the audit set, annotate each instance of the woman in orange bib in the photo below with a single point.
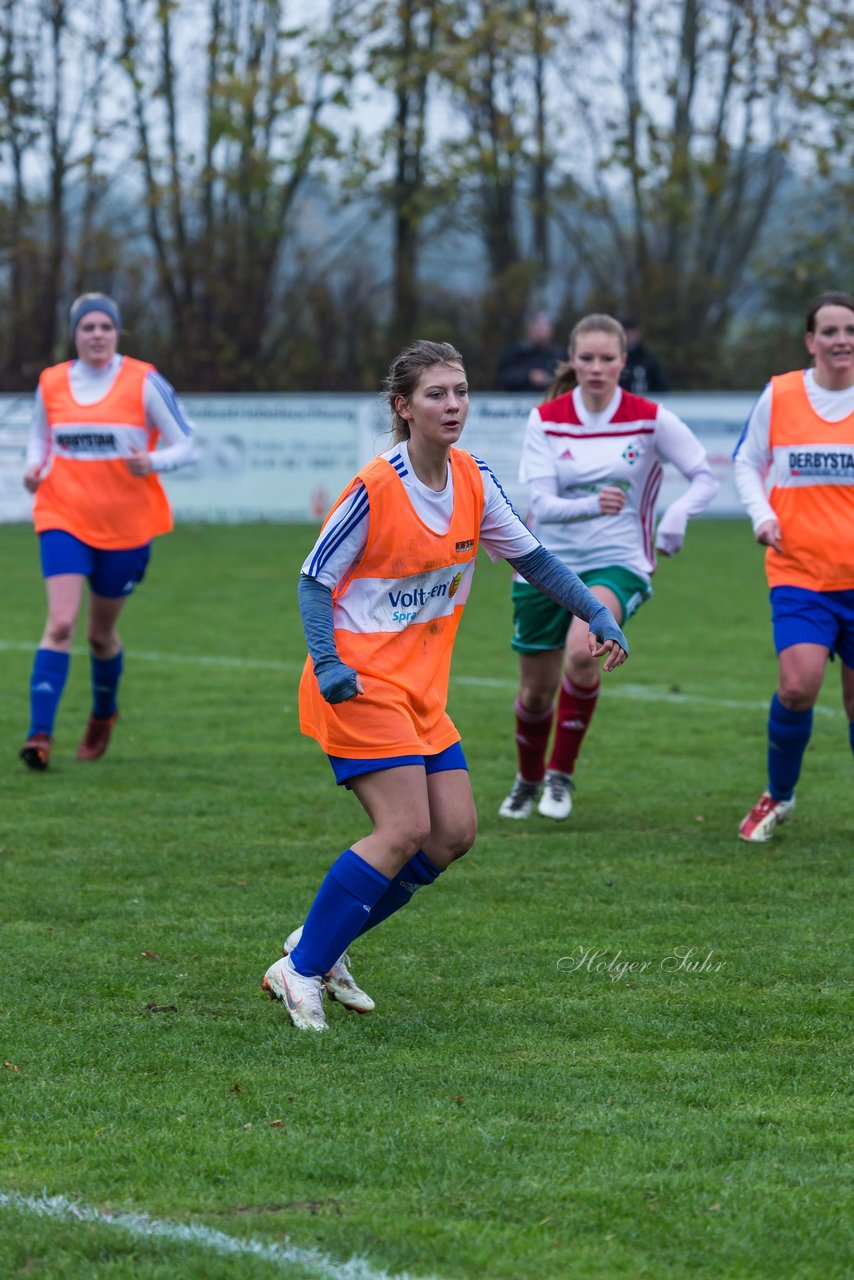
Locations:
(800, 436)
(381, 596)
(93, 465)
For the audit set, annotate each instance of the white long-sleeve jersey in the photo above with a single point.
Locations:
(570, 453)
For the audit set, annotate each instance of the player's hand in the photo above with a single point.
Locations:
(770, 535)
(139, 463)
(339, 683)
(668, 544)
(612, 499)
(616, 654)
(33, 477)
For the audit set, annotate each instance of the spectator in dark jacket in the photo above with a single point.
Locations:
(642, 373)
(530, 365)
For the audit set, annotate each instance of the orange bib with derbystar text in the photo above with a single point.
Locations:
(89, 491)
(812, 472)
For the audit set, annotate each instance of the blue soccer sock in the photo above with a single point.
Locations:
(788, 734)
(350, 890)
(106, 673)
(418, 871)
(50, 671)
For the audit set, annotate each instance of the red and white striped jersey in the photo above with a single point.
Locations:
(569, 454)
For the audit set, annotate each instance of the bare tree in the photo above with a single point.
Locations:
(692, 127)
(218, 223)
(51, 60)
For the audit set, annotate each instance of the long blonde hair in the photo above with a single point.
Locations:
(564, 379)
(405, 372)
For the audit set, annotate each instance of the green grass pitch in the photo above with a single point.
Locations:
(505, 1113)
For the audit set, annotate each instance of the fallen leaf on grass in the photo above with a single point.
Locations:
(314, 1207)
(277, 1124)
(458, 1099)
(161, 1008)
(10, 1066)
(150, 955)
(235, 1088)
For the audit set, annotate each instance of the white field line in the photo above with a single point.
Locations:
(200, 1237)
(624, 690)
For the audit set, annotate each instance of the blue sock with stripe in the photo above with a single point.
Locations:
(349, 892)
(50, 671)
(106, 673)
(788, 735)
(418, 871)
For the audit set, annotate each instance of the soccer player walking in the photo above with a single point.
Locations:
(592, 459)
(801, 435)
(92, 463)
(381, 596)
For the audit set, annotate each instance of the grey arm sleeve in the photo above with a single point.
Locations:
(545, 571)
(337, 682)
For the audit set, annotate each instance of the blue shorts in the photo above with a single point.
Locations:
(801, 616)
(451, 758)
(111, 573)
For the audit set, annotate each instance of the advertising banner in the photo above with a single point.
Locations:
(287, 457)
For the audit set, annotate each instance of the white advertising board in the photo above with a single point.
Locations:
(287, 457)
(267, 457)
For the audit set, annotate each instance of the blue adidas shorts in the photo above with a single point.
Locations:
(801, 616)
(451, 758)
(111, 573)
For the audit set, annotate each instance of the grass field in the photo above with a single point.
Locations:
(507, 1112)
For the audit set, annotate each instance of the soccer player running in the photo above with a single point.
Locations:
(592, 459)
(92, 464)
(381, 596)
(801, 434)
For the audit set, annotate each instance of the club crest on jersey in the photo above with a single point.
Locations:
(631, 453)
(455, 582)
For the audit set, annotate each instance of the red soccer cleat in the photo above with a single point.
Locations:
(96, 739)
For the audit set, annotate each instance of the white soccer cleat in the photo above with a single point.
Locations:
(339, 981)
(765, 816)
(520, 802)
(556, 800)
(301, 996)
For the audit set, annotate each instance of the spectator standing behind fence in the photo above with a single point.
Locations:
(592, 459)
(642, 372)
(801, 434)
(530, 365)
(92, 464)
(381, 596)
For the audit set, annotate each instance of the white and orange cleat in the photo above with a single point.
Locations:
(339, 982)
(765, 816)
(301, 996)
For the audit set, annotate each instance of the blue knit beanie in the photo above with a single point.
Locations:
(93, 302)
